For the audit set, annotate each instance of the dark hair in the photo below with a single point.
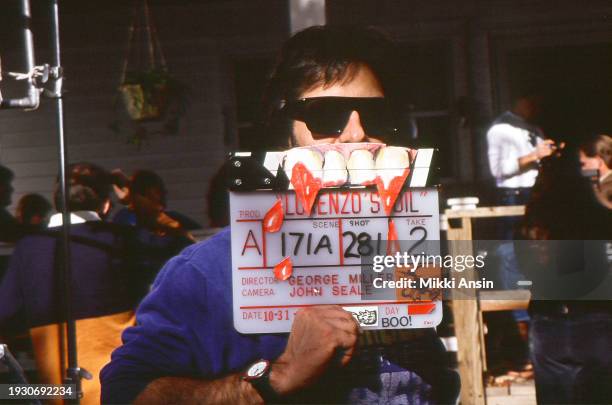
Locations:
(326, 55)
(599, 145)
(143, 180)
(89, 187)
(31, 205)
(6, 190)
(6, 174)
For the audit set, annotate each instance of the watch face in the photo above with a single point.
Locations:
(257, 369)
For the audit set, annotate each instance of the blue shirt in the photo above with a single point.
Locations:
(107, 276)
(185, 328)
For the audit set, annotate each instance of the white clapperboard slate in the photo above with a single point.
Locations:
(324, 250)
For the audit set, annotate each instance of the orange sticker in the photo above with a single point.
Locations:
(273, 220)
(421, 309)
(284, 269)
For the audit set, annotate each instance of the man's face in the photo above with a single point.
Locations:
(589, 163)
(363, 84)
(156, 195)
(529, 108)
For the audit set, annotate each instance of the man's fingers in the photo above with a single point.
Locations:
(345, 343)
(343, 324)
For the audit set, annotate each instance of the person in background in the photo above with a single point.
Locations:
(596, 154)
(33, 211)
(10, 230)
(571, 331)
(107, 282)
(144, 195)
(185, 348)
(516, 146)
(146, 184)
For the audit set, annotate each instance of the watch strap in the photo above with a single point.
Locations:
(264, 388)
(262, 385)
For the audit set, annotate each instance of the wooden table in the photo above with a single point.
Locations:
(467, 311)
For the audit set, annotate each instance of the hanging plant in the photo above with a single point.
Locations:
(145, 94)
(148, 94)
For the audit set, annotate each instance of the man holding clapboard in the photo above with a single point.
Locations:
(185, 348)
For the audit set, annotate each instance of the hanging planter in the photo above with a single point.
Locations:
(147, 91)
(145, 94)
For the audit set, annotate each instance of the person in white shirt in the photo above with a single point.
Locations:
(515, 147)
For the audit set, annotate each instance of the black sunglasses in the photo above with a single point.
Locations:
(328, 116)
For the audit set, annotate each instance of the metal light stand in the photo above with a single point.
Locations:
(73, 373)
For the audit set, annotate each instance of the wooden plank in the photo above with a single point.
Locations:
(513, 394)
(487, 212)
(504, 300)
(481, 338)
(467, 326)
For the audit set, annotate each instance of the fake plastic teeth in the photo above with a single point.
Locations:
(311, 159)
(392, 168)
(391, 162)
(361, 167)
(309, 171)
(334, 169)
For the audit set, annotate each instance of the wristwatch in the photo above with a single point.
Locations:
(258, 374)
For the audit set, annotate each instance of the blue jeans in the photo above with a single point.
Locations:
(511, 196)
(509, 269)
(572, 357)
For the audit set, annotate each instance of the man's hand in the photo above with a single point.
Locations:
(542, 150)
(545, 149)
(121, 186)
(320, 336)
(122, 193)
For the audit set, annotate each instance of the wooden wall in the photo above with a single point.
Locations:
(201, 39)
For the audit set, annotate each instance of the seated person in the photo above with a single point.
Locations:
(33, 211)
(185, 349)
(167, 233)
(149, 185)
(105, 274)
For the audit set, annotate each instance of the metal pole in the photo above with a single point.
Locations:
(33, 98)
(73, 373)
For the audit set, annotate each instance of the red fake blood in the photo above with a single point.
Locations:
(306, 186)
(389, 195)
(284, 269)
(273, 220)
(392, 242)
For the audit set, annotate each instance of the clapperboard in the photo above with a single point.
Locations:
(326, 247)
